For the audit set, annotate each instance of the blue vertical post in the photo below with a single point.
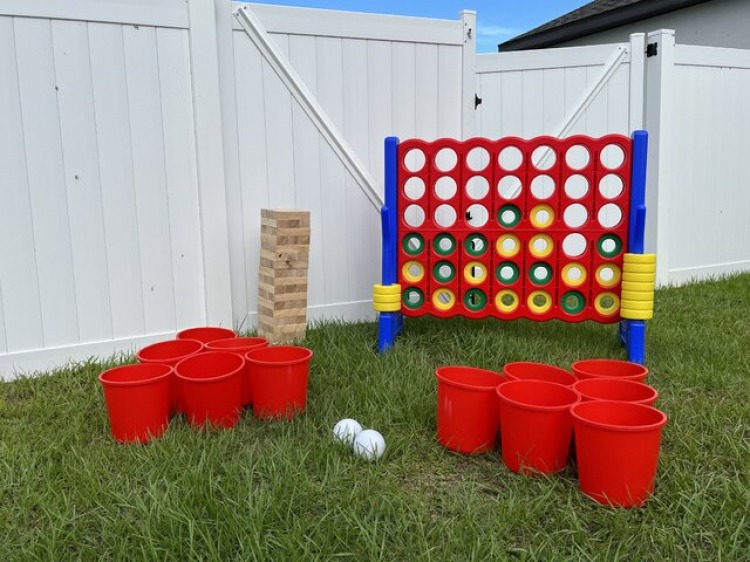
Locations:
(633, 332)
(390, 323)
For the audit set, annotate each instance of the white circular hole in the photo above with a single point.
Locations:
(477, 187)
(510, 158)
(506, 272)
(542, 187)
(574, 273)
(575, 215)
(612, 156)
(540, 273)
(611, 186)
(477, 216)
(576, 186)
(445, 188)
(608, 246)
(445, 271)
(414, 245)
(574, 245)
(414, 216)
(478, 158)
(445, 216)
(446, 159)
(543, 157)
(577, 157)
(414, 188)
(610, 215)
(415, 270)
(414, 160)
(445, 245)
(509, 187)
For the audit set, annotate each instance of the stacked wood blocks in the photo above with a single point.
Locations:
(282, 294)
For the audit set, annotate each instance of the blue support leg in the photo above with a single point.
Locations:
(636, 341)
(389, 325)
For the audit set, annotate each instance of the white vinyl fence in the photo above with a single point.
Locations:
(140, 139)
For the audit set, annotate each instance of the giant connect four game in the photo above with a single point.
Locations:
(539, 228)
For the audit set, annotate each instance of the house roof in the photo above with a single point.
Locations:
(596, 16)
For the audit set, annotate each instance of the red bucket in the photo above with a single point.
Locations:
(467, 411)
(206, 334)
(612, 368)
(535, 425)
(211, 384)
(240, 346)
(170, 352)
(137, 398)
(526, 370)
(617, 448)
(620, 390)
(278, 378)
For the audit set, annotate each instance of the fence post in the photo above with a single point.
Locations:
(637, 81)
(469, 79)
(659, 119)
(209, 147)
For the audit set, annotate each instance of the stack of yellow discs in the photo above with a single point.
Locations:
(638, 279)
(386, 298)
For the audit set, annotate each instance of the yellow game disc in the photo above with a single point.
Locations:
(394, 289)
(539, 302)
(637, 286)
(506, 301)
(639, 277)
(541, 216)
(443, 299)
(508, 245)
(628, 267)
(387, 298)
(640, 296)
(637, 314)
(475, 273)
(541, 245)
(412, 271)
(607, 304)
(639, 258)
(636, 305)
(569, 276)
(611, 282)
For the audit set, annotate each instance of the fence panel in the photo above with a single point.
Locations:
(374, 76)
(100, 242)
(530, 93)
(708, 201)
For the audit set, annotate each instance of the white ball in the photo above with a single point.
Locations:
(369, 445)
(346, 430)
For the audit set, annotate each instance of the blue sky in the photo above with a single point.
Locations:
(497, 20)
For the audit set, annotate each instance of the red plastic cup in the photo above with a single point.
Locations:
(137, 398)
(211, 384)
(535, 425)
(206, 334)
(278, 378)
(170, 352)
(467, 410)
(526, 370)
(240, 346)
(620, 390)
(617, 449)
(612, 368)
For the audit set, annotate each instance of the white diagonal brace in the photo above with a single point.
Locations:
(589, 95)
(257, 33)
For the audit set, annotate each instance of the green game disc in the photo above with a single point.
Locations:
(573, 302)
(444, 244)
(475, 299)
(475, 244)
(413, 298)
(413, 244)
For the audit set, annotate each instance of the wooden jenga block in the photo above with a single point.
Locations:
(282, 291)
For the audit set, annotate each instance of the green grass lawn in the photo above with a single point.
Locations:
(286, 491)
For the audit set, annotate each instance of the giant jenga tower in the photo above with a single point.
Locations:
(282, 292)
